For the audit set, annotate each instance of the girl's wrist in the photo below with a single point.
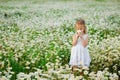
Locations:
(77, 36)
(81, 37)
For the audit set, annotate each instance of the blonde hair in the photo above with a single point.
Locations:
(81, 23)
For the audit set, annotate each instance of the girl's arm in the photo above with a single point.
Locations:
(85, 41)
(74, 41)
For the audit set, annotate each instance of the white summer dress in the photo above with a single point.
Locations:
(79, 54)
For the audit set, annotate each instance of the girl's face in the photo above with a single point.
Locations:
(79, 28)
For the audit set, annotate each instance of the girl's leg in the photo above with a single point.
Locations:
(73, 67)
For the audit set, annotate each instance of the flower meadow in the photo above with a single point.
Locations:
(36, 36)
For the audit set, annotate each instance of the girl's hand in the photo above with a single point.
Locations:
(80, 33)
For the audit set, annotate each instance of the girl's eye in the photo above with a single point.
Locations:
(80, 28)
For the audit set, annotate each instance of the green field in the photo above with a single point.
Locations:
(36, 36)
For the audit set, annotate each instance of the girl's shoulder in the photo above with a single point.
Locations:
(85, 35)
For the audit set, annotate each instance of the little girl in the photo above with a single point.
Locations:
(79, 52)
